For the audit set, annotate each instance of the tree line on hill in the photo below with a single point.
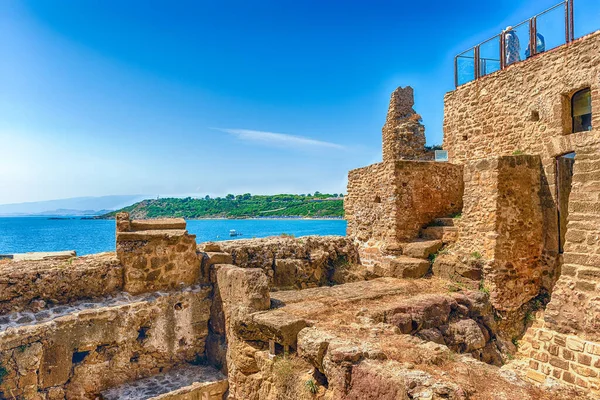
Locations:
(317, 205)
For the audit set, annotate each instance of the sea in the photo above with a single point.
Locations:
(88, 236)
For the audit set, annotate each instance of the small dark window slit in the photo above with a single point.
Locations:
(79, 356)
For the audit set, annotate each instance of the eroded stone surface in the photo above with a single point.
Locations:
(291, 262)
(156, 255)
(33, 285)
(179, 383)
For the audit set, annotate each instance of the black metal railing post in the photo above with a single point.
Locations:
(503, 50)
(477, 71)
(532, 38)
(571, 20)
(456, 71)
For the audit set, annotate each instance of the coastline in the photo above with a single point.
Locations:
(241, 219)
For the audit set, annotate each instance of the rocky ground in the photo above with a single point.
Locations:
(398, 339)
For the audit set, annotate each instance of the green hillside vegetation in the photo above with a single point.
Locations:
(319, 205)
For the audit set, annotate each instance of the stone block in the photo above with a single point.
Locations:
(584, 371)
(421, 249)
(403, 267)
(545, 336)
(536, 376)
(276, 325)
(560, 340)
(559, 363)
(584, 359)
(213, 258)
(592, 348)
(568, 355)
(568, 377)
(575, 344)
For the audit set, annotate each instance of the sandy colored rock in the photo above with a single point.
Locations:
(421, 248)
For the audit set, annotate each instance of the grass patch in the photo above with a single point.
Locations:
(529, 316)
(287, 235)
(515, 341)
(476, 255)
(483, 288)
(290, 379)
(440, 252)
(518, 153)
(311, 386)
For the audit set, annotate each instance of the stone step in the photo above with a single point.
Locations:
(402, 267)
(272, 326)
(421, 248)
(443, 222)
(157, 224)
(187, 382)
(447, 234)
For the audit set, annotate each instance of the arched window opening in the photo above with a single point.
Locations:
(581, 110)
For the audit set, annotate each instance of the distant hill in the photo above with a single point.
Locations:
(73, 206)
(241, 206)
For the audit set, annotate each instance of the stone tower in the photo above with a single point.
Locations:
(403, 133)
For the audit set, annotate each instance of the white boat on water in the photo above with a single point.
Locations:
(233, 233)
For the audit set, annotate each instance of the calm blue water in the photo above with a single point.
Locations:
(24, 234)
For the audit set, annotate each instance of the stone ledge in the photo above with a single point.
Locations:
(158, 224)
(149, 235)
(49, 255)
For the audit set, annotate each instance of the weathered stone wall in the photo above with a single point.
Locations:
(515, 277)
(425, 191)
(501, 228)
(156, 254)
(403, 133)
(523, 107)
(389, 203)
(370, 205)
(80, 350)
(575, 306)
(289, 263)
(567, 358)
(526, 108)
(564, 342)
(34, 285)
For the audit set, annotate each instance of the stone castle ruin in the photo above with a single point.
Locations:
(475, 278)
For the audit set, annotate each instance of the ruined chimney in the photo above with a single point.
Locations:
(403, 133)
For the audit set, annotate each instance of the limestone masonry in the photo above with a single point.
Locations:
(476, 278)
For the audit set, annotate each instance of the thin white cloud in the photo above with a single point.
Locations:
(280, 139)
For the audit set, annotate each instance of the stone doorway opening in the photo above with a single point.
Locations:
(564, 179)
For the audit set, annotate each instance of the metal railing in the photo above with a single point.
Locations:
(505, 48)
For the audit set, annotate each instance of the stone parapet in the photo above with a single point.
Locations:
(288, 262)
(156, 254)
(35, 285)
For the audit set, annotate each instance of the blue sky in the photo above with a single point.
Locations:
(102, 97)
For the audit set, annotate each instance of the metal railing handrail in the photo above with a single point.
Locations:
(569, 37)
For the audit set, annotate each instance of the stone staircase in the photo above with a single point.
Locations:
(442, 229)
(414, 258)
